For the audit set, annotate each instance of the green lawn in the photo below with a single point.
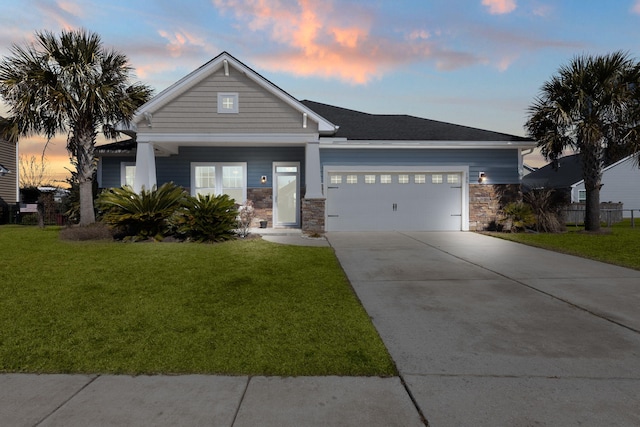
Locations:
(619, 245)
(242, 307)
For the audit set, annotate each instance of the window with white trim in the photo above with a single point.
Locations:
(220, 178)
(127, 173)
(582, 195)
(228, 103)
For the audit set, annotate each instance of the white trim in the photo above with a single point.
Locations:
(373, 144)
(461, 169)
(274, 183)
(123, 172)
(235, 106)
(226, 138)
(195, 77)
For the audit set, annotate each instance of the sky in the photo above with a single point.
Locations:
(478, 63)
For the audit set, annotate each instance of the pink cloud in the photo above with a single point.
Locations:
(636, 7)
(499, 7)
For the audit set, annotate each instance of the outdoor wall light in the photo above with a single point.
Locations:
(3, 170)
(263, 179)
(482, 177)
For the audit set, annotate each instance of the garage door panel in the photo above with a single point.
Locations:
(407, 202)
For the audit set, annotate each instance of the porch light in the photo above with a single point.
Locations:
(482, 177)
(263, 179)
(3, 170)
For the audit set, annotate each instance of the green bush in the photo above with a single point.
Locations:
(141, 216)
(206, 218)
(518, 216)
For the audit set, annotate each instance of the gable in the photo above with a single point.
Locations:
(191, 105)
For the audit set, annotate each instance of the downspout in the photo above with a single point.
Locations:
(521, 161)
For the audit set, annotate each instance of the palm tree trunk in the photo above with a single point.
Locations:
(592, 174)
(86, 168)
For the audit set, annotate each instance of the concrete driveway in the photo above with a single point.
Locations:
(487, 332)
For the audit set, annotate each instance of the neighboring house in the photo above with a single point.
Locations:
(8, 178)
(226, 129)
(620, 181)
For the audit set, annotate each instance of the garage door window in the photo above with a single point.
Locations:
(436, 179)
(336, 179)
(385, 179)
(453, 179)
(369, 179)
(420, 179)
(352, 179)
(403, 179)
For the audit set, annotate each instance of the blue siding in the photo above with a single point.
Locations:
(177, 168)
(500, 166)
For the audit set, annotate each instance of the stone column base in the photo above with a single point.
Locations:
(313, 216)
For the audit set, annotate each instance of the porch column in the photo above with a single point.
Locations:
(145, 167)
(313, 181)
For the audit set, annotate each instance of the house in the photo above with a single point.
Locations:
(8, 178)
(620, 181)
(226, 129)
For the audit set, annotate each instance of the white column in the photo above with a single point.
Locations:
(313, 180)
(145, 167)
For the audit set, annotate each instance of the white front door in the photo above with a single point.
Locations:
(286, 191)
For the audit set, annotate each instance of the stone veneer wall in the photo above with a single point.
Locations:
(486, 200)
(262, 199)
(313, 216)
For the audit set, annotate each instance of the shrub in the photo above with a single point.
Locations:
(518, 216)
(206, 218)
(547, 207)
(246, 213)
(141, 216)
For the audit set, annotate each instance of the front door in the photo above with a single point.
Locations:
(286, 191)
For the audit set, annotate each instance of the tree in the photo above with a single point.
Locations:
(34, 171)
(590, 106)
(70, 84)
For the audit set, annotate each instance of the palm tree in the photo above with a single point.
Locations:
(590, 106)
(70, 84)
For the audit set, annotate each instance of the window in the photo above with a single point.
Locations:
(582, 195)
(385, 179)
(403, 179)
(436, 179)
(453, 179)
(220, 178)
(369, 179)
(127, 173)
(420, 179)
(336, 179)
(227, 103)
(352, 179)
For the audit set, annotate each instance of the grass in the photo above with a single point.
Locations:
(247, 307)
(617, 245)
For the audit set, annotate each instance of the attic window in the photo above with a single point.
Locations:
(227, 103)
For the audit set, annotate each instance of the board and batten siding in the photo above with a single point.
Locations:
(620, 183)
(8, 183)
(195, 111)
(499, 165)
(177, 168)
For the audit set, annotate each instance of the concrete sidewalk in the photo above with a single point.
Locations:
(487, 332)
(197, 400)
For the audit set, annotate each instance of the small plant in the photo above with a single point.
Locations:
(246, 213)
(518, 216)
(546, 205)
(206, 218)
(141, 216)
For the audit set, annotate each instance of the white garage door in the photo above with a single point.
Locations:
(376, 201)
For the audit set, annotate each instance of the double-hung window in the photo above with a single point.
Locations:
(220, 178)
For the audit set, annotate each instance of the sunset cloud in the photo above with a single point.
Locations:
(500, 7)
(636, 7)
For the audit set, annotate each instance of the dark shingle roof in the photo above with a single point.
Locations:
(356, 125)
(567, 173)
(123, 146)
